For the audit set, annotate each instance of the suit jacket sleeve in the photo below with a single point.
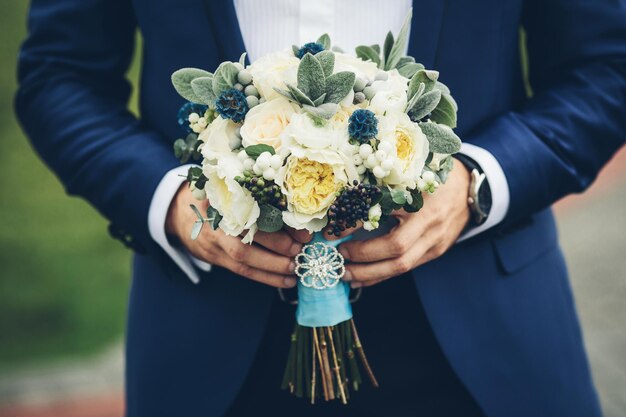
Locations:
(576, 120)
(72, 102)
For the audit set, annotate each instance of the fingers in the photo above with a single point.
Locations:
(263, 277)
(391, 245)
(302, 236)
(255, 256)
(279, 242)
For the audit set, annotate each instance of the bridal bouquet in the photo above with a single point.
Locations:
(313, 138)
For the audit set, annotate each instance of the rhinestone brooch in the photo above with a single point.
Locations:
(319, 266)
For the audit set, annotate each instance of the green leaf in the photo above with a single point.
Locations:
(324, 40)
(299, 95)
(386, 202)
(409, 70)
(445, 112)
(181, 151)
(242, 59)
(415, 85)
(398, 197)
(295, 49)
(286, 94)
(196, 229)
(327, 60)
(399, 46)
(320, 100)
(181, 80)
(197, 211)
(416, 204)
(311, 80)
(442, 87)
(270, 220)
(225, 78)
(203, 89)
(255, 150)
(387, 46)
(324, 111)
(415, 95)
(213, 217)
(376, 48)
(425, 105)
(367, 53)
(428, 77)
(193, 173)
(406, 60)
(339, 85)
(441, 138)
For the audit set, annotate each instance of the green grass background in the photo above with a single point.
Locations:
(63, 280)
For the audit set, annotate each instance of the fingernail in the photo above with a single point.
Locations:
(292, 267)
(344, 252)
(347, 276)
(290, 282)
(356, 284)
(295, 249)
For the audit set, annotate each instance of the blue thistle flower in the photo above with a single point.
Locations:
(362, 125)
(232, 104)
(311, 47)
(185, 110)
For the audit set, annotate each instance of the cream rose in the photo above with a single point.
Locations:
(238, 208)
(409, 148)
(274, 70)
(362, 69)
(388, 101)
(219, 138)
(310, 180)
(266, 122)
(305, 132)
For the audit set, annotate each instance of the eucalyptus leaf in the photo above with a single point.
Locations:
(225, 78)
(324, 40)
(386, 202)
(198, 214)
(401, 43)
(311, 79)
(425, 105)
(299, 95)
(270, 219)
(324, 111)
(416, 203)
(203, 89)
(398, 197)
(181, 150)
(339, 85)
(181, 80)
(367, 53)
(254, 151)
(441, 138)
(445, 112)
(327, 60)
(213, 217)
(193, 173)
(196, 229)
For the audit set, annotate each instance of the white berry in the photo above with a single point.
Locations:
(257, 169)
(381, 155)
(387, 164)
(244, 77)
(269, 174)
(385, 146)
(193, 117)
(248, 164)
(365, 150)
(360, 169)
(379, 172)
(276, 161)
(372, 161)
(357, 159)
(242, 155)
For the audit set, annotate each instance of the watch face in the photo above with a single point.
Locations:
(484, 197)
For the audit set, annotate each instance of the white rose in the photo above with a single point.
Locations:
(266, 122)
(219, 138)
(274, 70)
(238, 208)
(310, 180)
(409, 148)
(388, 101)
(394, 82)
(362, 69)
(304, 131)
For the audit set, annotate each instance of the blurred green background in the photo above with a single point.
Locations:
(63, 282)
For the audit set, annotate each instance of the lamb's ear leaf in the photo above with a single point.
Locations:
(327, 60)
(242, 59)
(270, 219)
(339, 85)
(445, 112)
(311, 80)
(203, 89)
(409, 70)
(441, 138)
(324, 40)
(320, 100)
(399, 46)
(387, 46)
(324, 111)
(295, 49)
(425, 105)
(181, 80)
(225, 78)
(299, 95)
(286, 94)
(367, 53)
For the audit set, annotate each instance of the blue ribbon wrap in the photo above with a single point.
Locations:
(324, 307)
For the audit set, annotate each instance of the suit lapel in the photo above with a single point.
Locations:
(225, 27)
(426, 30)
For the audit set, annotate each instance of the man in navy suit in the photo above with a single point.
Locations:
(495, 329)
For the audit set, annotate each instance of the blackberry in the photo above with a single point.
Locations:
(351, 206)
(262, 190)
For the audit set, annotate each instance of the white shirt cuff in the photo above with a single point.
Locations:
(497, 183)
(163, 195)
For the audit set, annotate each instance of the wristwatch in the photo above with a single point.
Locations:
(479, 195)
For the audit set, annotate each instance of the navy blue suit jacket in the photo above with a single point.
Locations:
(500, 303)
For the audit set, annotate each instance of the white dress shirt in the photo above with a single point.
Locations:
(270, 25)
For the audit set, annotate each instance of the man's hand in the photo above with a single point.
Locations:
(418, 238)
(269, 261)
